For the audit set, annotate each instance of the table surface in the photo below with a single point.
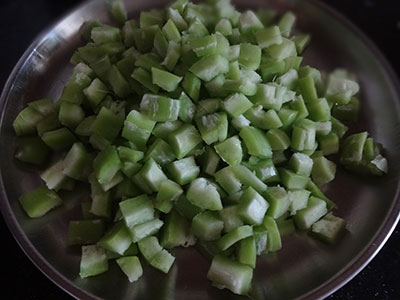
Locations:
(22, 20)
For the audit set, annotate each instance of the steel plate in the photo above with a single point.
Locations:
(304, 268)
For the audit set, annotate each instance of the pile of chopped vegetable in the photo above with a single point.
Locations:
(196, 125)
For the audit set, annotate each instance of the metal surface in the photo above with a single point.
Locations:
(304, 268)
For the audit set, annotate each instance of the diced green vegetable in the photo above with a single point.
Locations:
(207, 226)
(137, 210)
(77, 163)
(183, 171)
(316, 208)
(273, 236)
(176, 231)
(131, 266)
(39, 201)
(329, 229)
(256, 142)
(204, 194)
(323, 170)
(234, 236)
(230, 150)
(252, 207)
(230, 274)
(159, 108)
(278, 200)
(117, 239)
(93, 261)
(184, 139)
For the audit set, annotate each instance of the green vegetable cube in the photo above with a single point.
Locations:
(265, 170)
(209, 67)
(144, 77)
(207, 226)
(252, 206)
(93, 261)
(103, 34)
(213, 127)
(232, 237)
(249, 22)
(183, 171)
(206, 45)
(149, 247)
(184, 139)
(230, 216)
(26, 121)
(168, 193)
(228, 180)
(301, 164)
(278, 200)
(224, 26)
(117, 239)
(138, 128)
(247, 252)
(176, 231)
(268, 36)
(204, 194)
(298, 199)
(329, 229)
(323, 170)
(230, 150)
(291, 180)
(58, 139)
(38, 202)
(106, 165)
(171, 32)
(352, 148)
(159, 108)
(77, 163)
(329, 144)
(95, 92)
(286, 23)
(283, 50)
(101, 200)
(236, 105)
(230, 274)
(191, 85)
(210, 161)
(143, 230)
(256, 142)
(137, 210)
(248, 178)
(162, 261)
(278, 139)
(130, 155)
(306, 217)
(165, 80)
(319, 110)
(107, 124)
(303, 135)
(131, 266)
(249, 56)
(273, 236)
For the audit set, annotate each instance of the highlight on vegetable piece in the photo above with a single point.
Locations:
(196, 124)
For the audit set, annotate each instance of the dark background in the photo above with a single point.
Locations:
(22, 20)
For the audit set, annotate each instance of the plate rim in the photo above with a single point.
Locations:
(383, 233)
(349, 271)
